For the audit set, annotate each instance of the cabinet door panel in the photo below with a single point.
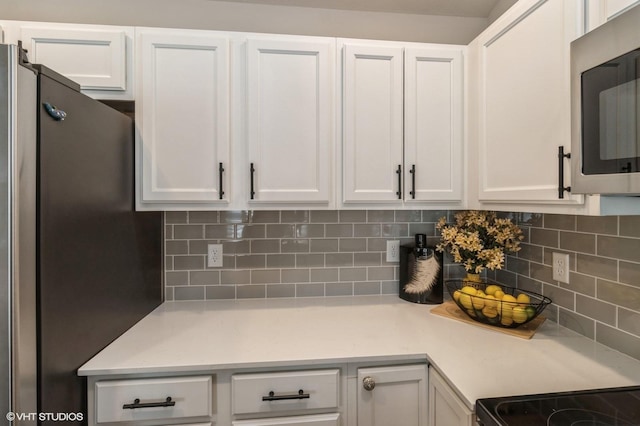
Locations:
(290, 130)
(182, 110)
(445, 408)
(433, 124)
(524, 108)
(373, 79)
(313, 420)
(399, 397)
(95, 59)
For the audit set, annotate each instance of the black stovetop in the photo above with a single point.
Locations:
(600, 407)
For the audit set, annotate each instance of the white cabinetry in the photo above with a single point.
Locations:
(290, 115)
(520, 103)
(392, 395)
(182, 113)
(156, 400)
(600, 11)
(99, 58)
(402, 123)
(445, 407)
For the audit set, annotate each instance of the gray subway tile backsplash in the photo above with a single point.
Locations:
(342, 253)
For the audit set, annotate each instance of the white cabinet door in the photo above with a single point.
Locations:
(524, 102)
(96, 57)
(290, 131)
(399, 396)
(445, 408)
(332, 419)
(433, 124)
(372, 123)
(182, 112)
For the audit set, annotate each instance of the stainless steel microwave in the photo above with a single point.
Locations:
(605, 108)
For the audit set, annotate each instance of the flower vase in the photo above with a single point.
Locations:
(473, 278)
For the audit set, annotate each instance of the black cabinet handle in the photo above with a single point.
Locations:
(252, 171)
(561, 157)
(273, 397)
(399, 172)
(220, 172)
(137, 404)
(413, 181)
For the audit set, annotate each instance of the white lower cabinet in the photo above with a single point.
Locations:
(314, 420)
(392, 395)
(355, 394)
(445, 407)
(157, 400)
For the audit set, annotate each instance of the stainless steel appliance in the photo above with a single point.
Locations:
(601, 407)
(78, 266)
(605, 111)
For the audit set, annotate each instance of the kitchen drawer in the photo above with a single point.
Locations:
(278, 392)
(116, 399)
(316, 420)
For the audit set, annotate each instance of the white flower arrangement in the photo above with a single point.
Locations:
(479, 240)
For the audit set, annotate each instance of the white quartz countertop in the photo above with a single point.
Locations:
(212, 335)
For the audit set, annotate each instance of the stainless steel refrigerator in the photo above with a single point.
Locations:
(78, 266)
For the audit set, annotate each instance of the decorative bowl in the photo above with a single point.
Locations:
(482, 302)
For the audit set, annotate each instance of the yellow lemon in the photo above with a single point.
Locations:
(489, 312)
(506, 321)
(492, 288)
(523, 299)
(456, 295)
(471, 313)
(469, 290)
(490, 301)
(499, 294)
(465, 300)
(519, 314)
(478, 302)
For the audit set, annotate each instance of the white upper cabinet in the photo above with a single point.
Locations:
(433, 136)
(373, 97)
(600, 11)
(99, 58)
(290, 120)
(182, 113)
(520, 103)
(402, 123)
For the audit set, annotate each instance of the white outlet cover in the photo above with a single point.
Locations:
(393, 251)
(560, 265)
(214, 255)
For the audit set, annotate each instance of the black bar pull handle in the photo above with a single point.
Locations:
(252, 171)
(561, 157)
(273, 397)
(399, 172)
(220, 173)
(137, 404)
(413, 181)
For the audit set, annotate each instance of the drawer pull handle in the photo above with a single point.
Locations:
(273, 397)
(137, 404)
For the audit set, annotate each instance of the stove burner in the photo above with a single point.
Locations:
(580, 417)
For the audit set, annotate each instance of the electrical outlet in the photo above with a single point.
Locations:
(214, 255)
(561, 267)
(393, 251)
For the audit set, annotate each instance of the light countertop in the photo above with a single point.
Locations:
(201, 336)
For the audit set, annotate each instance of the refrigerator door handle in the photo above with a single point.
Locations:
(55, 113)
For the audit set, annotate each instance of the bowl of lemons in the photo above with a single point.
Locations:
(495, 304)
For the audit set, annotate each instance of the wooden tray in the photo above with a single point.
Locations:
(450, 310)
